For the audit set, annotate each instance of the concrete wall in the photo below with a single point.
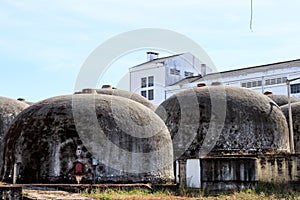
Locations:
(239, 172)
(223, 173)
(278, 168)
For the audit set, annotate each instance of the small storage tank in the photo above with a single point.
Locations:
(296, 122)
(9, 109)
(282, 100)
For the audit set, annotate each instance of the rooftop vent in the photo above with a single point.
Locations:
(216, 83)
(201, 84)
(151, 55)
(108, 87)
(89, 91)
(268, 93)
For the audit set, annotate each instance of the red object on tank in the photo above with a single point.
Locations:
(79, 169)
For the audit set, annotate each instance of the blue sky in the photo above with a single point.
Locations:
(44, 43)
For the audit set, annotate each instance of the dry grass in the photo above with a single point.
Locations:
(235, 196)
(262, 191)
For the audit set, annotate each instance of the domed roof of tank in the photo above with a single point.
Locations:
(27, 102)
(282, 99)
(45, 139)
(223, 119)
(296, 122)
(9, 105)
(108, 90)
(9, 109)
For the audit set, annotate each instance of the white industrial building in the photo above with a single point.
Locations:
(159, 78)
(150, 79)
(264, 78)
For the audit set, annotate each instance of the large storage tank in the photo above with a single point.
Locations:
(224, 119)
(58, 139)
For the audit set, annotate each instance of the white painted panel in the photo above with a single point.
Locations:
(177, 171)
(193, 173)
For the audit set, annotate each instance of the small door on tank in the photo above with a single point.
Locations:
(79, 169)
(193, 177)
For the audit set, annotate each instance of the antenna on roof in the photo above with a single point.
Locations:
(251, 15)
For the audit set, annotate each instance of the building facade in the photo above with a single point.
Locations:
(264, 78)
(151, 78)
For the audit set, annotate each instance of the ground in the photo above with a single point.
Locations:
(262, 191)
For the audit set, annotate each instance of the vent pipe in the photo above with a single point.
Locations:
(203, 70)
(151, 55)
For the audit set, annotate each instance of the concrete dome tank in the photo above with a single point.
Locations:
(9, 109)
(46, 145)
(282, 99)
(245, 121)
(109, 90)
(296, 122)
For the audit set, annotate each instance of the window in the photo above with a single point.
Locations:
(268, 82)
(150, 81)
(143, 82)
(144, 93)
(254, 83)
(150, 94)
(174, 71)
(259, 83)
(243, 84)
(279, 80)
(188, 74)
(284, 79)
(295, 88)
(248, 84)
(273, 81)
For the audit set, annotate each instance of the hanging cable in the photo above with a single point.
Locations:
(251, 15)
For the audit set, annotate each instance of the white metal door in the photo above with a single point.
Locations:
(193, 173)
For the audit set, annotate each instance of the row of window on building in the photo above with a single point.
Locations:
(174, 71)
(258, 83)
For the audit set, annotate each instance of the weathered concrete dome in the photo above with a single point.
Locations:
(9, 109)
(46, 144)
(252, 122)
(121, 93)
(282, 99)
(296, 122)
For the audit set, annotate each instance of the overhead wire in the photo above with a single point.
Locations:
(251, 15)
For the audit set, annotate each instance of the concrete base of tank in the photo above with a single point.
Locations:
(235, 172)
(11, 192)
